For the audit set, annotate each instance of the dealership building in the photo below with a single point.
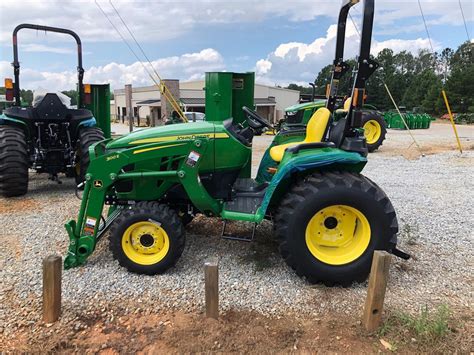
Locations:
(148, 107)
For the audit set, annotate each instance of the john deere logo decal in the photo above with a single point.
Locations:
(98, 184)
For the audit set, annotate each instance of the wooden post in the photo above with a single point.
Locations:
(211, 278)
(376, 290)
(52, 266)
(128, 105)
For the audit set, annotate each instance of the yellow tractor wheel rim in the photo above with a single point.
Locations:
(338, 234)
(372, 131)
(145, 243)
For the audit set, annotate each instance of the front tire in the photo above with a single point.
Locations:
(329, 225)
(86, 137)
(147, 238)
(375, 129)
(13, 162)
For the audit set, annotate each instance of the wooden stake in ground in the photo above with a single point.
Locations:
(52, 266)
(211, 278)
(376, 290)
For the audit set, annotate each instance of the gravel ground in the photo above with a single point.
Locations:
(432, 196)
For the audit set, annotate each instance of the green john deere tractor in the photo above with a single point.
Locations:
(328, 218)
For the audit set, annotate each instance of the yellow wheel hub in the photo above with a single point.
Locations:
(338, 234)
(145, 243)
(372, 131)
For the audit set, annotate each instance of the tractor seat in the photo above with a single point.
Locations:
(315, 130)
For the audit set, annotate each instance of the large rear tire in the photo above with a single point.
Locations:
(86, 137)
(375, 130)
(329, 225)
(13, 162)
(147, 238)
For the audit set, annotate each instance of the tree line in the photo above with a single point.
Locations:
(414, 80)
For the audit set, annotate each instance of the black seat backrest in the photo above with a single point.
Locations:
(51, 108)
(336, 131)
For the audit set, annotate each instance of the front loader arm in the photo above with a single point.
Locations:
(106, 169)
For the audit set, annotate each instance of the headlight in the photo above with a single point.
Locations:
(291, 113)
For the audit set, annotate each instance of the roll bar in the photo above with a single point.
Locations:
(16, 63)
(365, 65)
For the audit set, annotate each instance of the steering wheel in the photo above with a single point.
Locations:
(254, 120)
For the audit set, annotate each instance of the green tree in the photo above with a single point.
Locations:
(72, 94)
(26, 96)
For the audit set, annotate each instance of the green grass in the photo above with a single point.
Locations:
(426, 327)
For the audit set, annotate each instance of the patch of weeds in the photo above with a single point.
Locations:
(410, 233)
(426, 328)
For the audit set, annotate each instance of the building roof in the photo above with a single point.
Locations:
(193, 101)
(152, 102)
(200, 101)
(265, 101)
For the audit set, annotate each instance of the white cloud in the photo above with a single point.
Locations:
(157, 20)
(300, 62)
(32, 47)
(190, 66)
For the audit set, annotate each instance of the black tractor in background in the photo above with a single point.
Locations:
(48, 137)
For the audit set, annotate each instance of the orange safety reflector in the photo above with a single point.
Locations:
(8, 83)
(328, 88)
(272, 170)
(87, 88)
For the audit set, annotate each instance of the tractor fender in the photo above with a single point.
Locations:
(304, 163)
(9, 121)
(90, 122)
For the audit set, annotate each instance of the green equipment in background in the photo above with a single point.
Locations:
(328, 218)
(99, 104)
(414, 120)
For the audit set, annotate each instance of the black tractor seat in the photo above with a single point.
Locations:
(49, 110)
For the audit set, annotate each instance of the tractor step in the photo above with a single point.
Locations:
(244, 203)
(241, 238)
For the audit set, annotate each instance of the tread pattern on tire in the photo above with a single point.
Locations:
(14, 162)
(371, 115)
(86, 137)
(311, 185)
(159, 210)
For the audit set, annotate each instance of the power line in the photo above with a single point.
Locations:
(136, 55)
(426, 26)
(464, 20)
(355, 26)
(166, 91)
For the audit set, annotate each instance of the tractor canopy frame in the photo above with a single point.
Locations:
(16, 63)
(365, 65)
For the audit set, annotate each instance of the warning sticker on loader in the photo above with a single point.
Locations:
(193, 158)
(89, 226)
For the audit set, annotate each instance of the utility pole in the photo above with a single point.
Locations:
(128, 105)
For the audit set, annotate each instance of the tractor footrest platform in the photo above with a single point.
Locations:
(245, 203)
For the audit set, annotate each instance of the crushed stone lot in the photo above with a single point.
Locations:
(432, 196)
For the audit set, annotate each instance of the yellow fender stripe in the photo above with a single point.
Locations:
(176, 138)
(138, 151)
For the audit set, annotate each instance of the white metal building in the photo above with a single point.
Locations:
(146, 101)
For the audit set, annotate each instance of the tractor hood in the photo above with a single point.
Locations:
(306, 105)
(167, 133)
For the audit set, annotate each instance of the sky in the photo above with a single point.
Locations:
(282, 41)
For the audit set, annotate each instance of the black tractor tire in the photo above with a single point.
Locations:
(317, 192)
(159, 217)
(86, 137)
(14, 162)
(378, 129)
